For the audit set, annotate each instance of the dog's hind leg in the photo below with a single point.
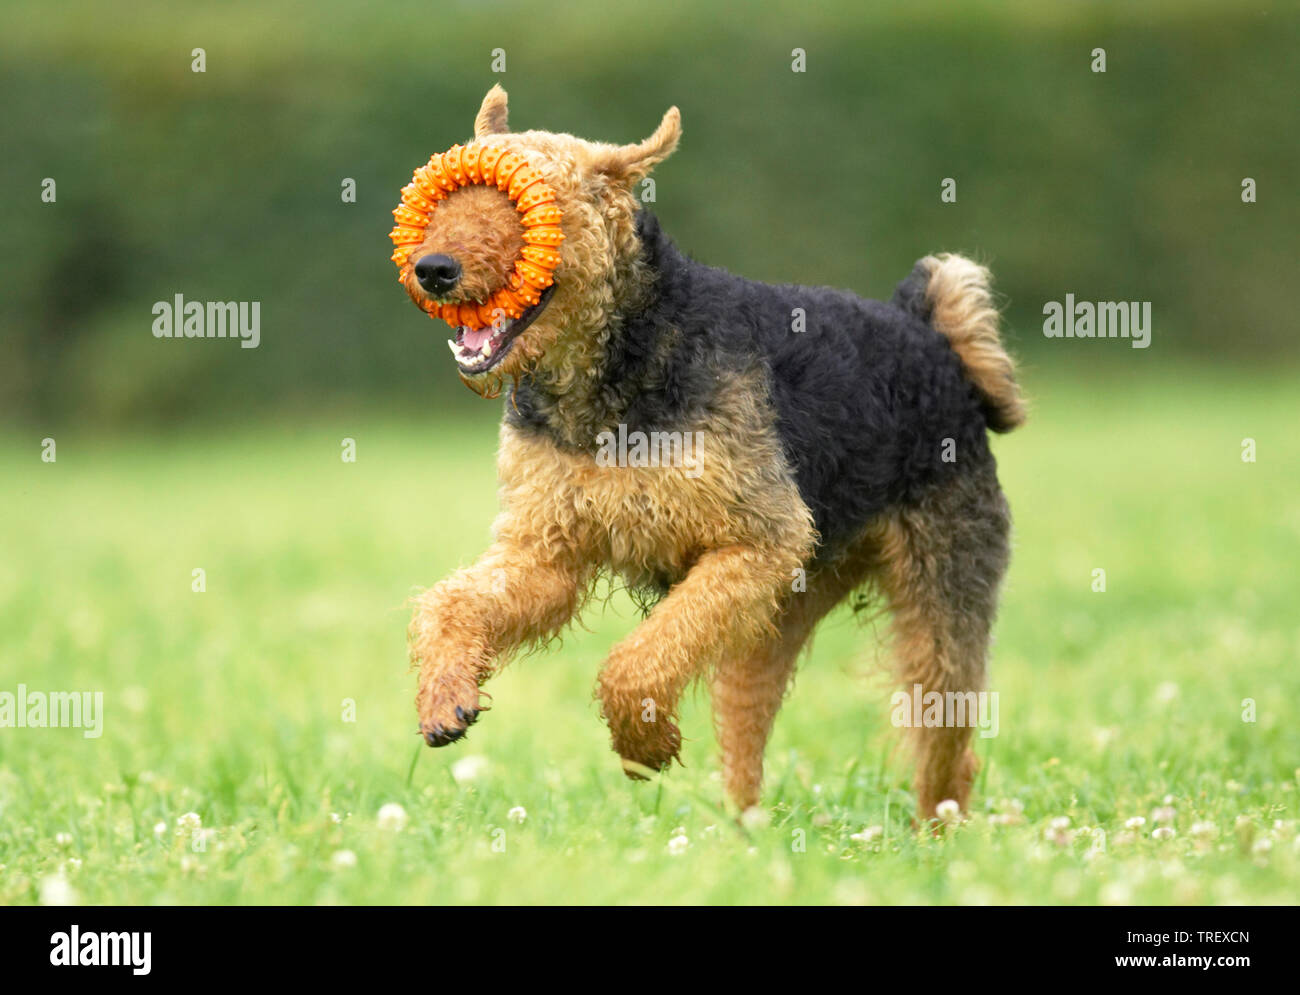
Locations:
(747, 690)
(941, 564)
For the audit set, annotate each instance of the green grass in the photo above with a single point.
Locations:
(229, 703)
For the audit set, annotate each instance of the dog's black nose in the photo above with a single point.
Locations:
(437, 274)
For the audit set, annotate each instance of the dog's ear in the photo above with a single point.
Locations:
(491, 118)
(631, 163)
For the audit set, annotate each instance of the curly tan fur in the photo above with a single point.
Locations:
(962, 308)
(736, 534)
(747, 689)
(595, 279)
(480, 228)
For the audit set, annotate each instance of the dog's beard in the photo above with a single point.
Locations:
(486, 385)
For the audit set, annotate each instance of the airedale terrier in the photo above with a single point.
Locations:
(840, 443)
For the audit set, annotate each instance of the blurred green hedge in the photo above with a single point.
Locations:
(225, 185)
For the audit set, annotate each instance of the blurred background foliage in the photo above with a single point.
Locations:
(226, 185)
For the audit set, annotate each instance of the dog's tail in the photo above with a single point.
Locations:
(952, 293)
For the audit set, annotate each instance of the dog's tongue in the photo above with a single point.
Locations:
(473, 339)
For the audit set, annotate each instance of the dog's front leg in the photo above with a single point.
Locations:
(725, 603)
(518, 593)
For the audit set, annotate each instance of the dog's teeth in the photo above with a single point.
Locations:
(486, 350)
(452, 346)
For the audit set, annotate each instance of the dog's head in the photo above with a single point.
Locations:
(469, 262)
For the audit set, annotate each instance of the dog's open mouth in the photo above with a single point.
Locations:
(477, 350)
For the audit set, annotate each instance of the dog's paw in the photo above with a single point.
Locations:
(447, 711)
(646, 744)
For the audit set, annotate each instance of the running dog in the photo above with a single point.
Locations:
(839, 444)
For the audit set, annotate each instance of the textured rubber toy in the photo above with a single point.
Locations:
(490, 165)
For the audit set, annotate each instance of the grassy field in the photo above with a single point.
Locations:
(231, 704)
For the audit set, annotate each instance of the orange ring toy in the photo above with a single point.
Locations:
(534, 198)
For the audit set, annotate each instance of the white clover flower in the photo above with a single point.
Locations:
(948, 810)
(1164, 814)
(1137, 822)
(755, 817)
(1059, 836)
(678, 844)
(869, 835)
(1262, 846)
(517, 814)
(55, 890)
(189, 822)
(1162, 833)
(1060, 822)
(159, 828)
(1204, 830)
(391, 817)
(1011, 814)
(469, 768)
(63, 839)
(341, 860)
